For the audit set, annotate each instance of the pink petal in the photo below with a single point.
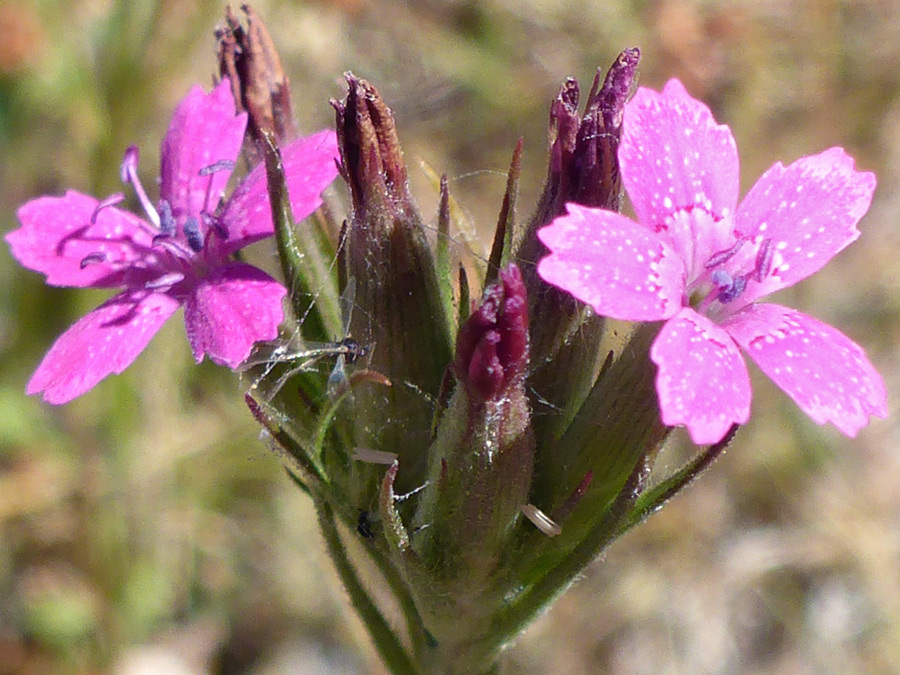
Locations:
(702, 381)
(809, 210)
(824, 371)
(613, 264)
(103, 342)
(57, 234)
(674, 156)
(204, 130)
(309, 167)
(234, 307)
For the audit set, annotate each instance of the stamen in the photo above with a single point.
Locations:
(129, 163)
(164, 281)
(221, 165)
(193, 235)
(167, 225)
(93, 259)
(722, 256)
(764, 260)
(112, 200)
(128, 172)
(173, 246)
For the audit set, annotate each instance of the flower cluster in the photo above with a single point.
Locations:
(518, 444)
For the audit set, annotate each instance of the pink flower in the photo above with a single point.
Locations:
(699, 262)
(180, 254)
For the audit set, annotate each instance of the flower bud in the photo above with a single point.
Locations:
(247, 57)
(583, 168)
(492, 347)
(480, 464)
(400, 313)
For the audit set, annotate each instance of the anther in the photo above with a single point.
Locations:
(729, 287)
(112, 200)
(93, 259)
(193, 235)
(167, 225)
(221, 165)
(722, 256)
(129, 163)
(215, 224)
(164, 281)
(764, 260)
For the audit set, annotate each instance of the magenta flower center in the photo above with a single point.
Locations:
(183, 246)
(716, 281)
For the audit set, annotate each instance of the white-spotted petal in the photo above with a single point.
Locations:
(610, 262)
(809, 211)
(674, 156)
(824, 371)
(702, 382)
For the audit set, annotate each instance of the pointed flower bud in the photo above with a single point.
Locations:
(481, 462)
(247, 57)
(386, 252)
(583, 168)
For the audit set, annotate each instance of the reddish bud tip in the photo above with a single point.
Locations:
(492, 346)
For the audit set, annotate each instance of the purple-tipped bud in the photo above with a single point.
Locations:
(595, 180)
(583, 168)
(492, 347)
(584, 165)
(247, 57)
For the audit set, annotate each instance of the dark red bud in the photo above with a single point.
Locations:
(492, 346)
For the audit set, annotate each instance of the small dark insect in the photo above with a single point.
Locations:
(364, 525)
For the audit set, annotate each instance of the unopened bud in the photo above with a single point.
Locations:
(247, 57)
(492, 347)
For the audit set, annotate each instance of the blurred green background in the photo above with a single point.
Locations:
(144, 527)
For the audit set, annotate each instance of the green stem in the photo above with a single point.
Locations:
(386, 642)
(421, 639)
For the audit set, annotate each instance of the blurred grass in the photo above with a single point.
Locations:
(145, 525)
